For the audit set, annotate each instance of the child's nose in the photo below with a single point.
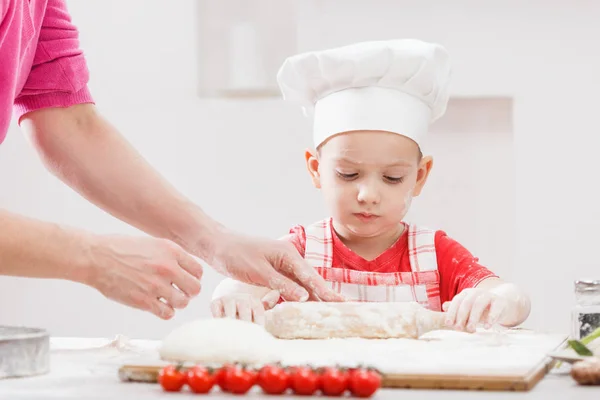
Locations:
(368, 193)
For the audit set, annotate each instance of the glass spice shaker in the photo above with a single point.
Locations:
(585, 315)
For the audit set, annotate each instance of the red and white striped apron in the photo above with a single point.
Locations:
(420, 285)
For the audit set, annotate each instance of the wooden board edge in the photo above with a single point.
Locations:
(139, 373)
(540, 371)
(464, 382)
(149, 374)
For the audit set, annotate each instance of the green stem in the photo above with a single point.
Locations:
(591, 337)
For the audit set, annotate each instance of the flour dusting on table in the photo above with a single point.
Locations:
(439, 352)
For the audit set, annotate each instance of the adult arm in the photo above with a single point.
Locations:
(82, 149)
(134, 271)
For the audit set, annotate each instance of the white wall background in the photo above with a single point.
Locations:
(537, 178)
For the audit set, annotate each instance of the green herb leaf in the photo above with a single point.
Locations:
(580, 348)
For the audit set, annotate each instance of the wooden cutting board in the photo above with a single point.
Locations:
(149, 374)
(511, 362)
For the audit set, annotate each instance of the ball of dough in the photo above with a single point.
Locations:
(217, 341)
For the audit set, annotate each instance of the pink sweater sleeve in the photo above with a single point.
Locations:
(59, 74)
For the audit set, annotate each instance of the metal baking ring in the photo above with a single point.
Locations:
(24, 351)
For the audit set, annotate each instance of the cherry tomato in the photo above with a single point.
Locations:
(304, 381)
(364, 382)
(171, 378)
(200, 380)
(238, 380)
(220, 376)
(273, 379)
(334, 381)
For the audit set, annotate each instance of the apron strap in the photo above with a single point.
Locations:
(421, 249)
(318, 251)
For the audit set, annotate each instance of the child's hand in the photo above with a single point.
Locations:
(244, 306)
(473, 306)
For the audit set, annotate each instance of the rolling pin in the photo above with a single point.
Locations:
(377, 320)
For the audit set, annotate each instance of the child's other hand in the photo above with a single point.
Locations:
(473, 306)
(244, 306)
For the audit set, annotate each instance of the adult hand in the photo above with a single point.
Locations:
(274, 264)
(150, 274)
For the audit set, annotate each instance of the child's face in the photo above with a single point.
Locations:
(368, 179)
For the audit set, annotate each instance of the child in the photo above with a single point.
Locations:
(372, 103)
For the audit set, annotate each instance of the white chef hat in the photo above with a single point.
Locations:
(398, 86)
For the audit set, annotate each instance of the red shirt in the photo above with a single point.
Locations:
(457, 267)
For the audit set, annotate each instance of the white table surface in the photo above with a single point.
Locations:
(87, 368)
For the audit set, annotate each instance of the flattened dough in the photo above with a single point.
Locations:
(381, 320)
(217, 341)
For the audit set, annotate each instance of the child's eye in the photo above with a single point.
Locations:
(346, 176)
(394, 180)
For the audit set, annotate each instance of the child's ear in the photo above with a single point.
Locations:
(312, 164)
(424, 169)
